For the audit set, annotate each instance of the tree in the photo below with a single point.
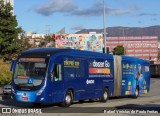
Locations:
(8, 32)
(49, 41)
(119, 50)
(23, 43)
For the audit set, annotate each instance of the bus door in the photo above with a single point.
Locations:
(129, 77)
(125, 78)
(73, 72)
(57, 83)
(80, 76)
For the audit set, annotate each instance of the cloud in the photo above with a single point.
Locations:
(53, 6)
(97, 10)
(147, 14)
(123, 11)
(119, 11)
(77, 27)
(70, 9)
(94, 10)
(140, 22)
(154, 19)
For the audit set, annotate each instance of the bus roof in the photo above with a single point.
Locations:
(41, 52)
(46, 52)
(134, 58)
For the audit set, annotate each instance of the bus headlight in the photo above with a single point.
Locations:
(12, 90)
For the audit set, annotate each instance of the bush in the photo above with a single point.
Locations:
(5, 73)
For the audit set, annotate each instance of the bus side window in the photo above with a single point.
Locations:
(80, 71)
(57, 73)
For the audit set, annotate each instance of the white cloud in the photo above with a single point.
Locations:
(53, 6)
(95, 10)
(119, 11)
(70, 9)
(148, 14)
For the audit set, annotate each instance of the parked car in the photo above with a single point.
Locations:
(7, 89)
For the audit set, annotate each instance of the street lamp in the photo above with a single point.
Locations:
(104, 24)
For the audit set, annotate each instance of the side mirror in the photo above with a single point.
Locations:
(13, 65)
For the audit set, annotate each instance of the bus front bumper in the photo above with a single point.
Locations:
(25, 96)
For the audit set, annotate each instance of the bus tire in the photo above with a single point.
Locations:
(136, 94)
(105, 96)
(68, 99)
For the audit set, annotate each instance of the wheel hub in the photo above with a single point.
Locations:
(68, 99)
(105, 95)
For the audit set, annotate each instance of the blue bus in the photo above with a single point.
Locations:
(50, 75)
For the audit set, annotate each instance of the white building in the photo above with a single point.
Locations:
(34, 39)
(34, 35)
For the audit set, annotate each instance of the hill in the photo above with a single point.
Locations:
(126, 31)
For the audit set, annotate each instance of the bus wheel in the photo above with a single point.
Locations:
(68, 100)
(105, 96)
(136, 94)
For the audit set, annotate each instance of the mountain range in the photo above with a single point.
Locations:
(126, 31)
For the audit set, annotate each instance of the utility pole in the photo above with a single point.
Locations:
(104, 24)
(48, 29)
(124, 39)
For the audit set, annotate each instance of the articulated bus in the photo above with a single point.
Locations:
(50, 75)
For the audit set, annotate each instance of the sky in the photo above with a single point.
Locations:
(50, 16)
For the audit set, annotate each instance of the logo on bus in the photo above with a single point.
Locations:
(89, 82)
(101, 64)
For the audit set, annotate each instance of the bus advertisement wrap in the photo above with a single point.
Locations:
(51, 75)
(135, 74)
(99, 69)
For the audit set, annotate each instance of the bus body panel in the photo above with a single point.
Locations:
(135, 74)
(25, 96)
(86, 74)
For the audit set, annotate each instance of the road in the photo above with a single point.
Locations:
(149, 101)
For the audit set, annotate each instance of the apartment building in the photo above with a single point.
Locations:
(145, 47)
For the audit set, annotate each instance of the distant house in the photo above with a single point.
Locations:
(35, 39)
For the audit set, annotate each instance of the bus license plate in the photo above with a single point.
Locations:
(24, 98)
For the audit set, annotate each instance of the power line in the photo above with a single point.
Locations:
(48, 29)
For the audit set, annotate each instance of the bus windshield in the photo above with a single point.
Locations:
(30, 72)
